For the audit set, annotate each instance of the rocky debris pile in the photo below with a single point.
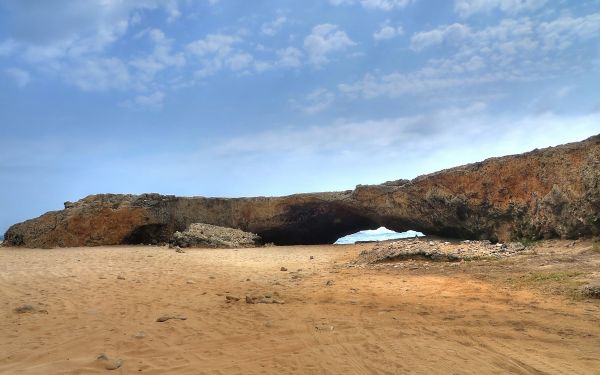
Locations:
(206, 235)
(416, 249)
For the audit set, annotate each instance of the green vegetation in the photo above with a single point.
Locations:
(527, 242)
(560, 282)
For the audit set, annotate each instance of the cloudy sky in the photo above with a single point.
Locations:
(239, 98)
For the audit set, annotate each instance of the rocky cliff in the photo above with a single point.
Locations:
(554, 192)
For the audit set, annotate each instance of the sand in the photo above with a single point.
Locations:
(415, 318)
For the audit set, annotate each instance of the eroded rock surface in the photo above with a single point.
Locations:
(554, 192)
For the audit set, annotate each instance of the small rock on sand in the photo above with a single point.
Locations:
(283, 269)
(164, 318)
(254, 300)
(231, 299)
(329, 283)
(110, 364)
(120, 277)
(25, 309)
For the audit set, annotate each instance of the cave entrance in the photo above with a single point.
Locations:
(379, 234)
(150, 234)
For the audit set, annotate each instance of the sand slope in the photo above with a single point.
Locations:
(391, 321)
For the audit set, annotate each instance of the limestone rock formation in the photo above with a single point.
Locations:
(206, 235)
(553, 192)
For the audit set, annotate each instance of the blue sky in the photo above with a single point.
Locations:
(242, 98)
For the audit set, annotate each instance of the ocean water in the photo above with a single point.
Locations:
(379, 234)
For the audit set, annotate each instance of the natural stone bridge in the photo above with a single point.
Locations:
(554, 192)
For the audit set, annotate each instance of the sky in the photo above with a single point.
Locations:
(245, 98)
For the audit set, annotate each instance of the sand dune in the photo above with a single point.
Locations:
(415, 320)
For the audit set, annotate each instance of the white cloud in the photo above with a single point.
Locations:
(450, 33)
(20, 76)
(290, 57)
(153, 101)
(466, 8)
(324, 40)
(219, 51)
(513, 50)
(273, 27)
(385, 5)
(159, 59)
(407, 146)
(98, 74)
(213, 44)
(387, 32)
(316, 101)
(240, 61)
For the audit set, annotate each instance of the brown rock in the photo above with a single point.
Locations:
(548, 193)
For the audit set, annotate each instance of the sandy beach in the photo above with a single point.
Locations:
(411, 317)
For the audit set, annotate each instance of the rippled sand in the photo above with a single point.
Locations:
(417, 318)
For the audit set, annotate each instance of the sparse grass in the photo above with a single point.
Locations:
(560, 276)
(559, 282)
(527, 242)
(595, 248)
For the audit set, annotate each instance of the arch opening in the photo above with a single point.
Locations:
(374, 235)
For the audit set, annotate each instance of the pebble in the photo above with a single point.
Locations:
(283, 269)
(120, 277)
(231, 299)
(329, 283)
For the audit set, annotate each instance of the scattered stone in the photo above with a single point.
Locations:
(139, 335)
(179, 250)
(120, 277)
(230, 299)
(164, 318)
(329, 283)
(283, 269)
(591, 291)
(312, 257)
(190, 282)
